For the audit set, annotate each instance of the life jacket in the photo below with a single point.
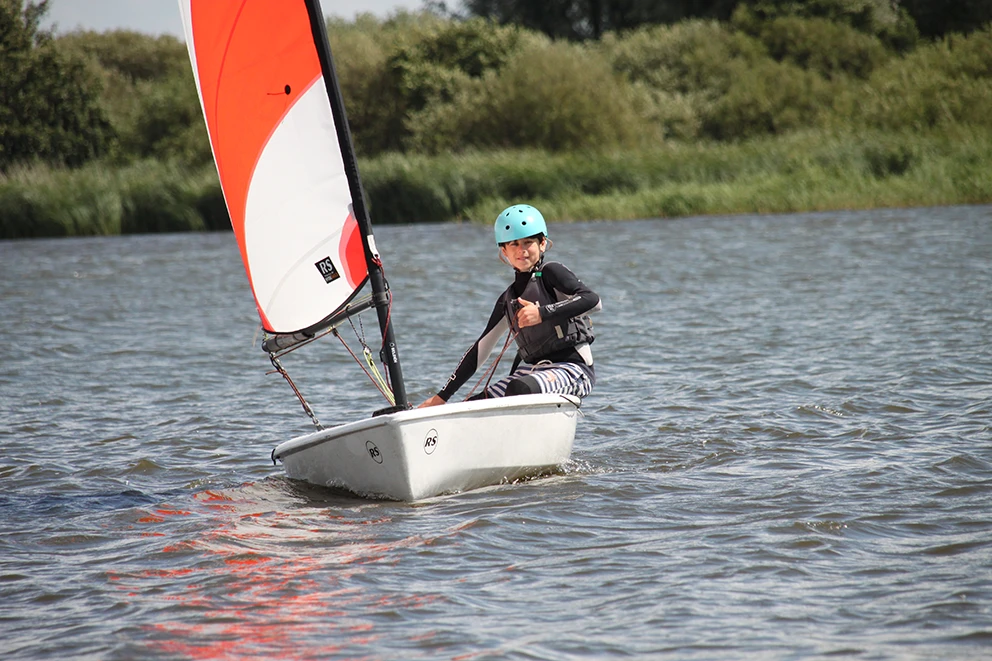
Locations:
(547, 337)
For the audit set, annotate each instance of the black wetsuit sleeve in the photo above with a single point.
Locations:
(478, 352)
(581, 299)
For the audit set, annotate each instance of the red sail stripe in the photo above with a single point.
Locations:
(353, 253)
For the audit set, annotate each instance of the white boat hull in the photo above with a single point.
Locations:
(416, 454)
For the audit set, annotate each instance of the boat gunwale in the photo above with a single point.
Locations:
(313, 439)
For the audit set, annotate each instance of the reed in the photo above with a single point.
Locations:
(802, 171)
(43, 201)
(97, 199)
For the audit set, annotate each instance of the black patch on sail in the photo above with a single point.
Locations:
(326, 268)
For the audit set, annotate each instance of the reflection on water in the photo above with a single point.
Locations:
(254, 582)
(787, 454)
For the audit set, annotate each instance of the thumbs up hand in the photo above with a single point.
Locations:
(529, 314)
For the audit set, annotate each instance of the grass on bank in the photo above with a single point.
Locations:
(809, 171)
(804, 171)
(98, 199)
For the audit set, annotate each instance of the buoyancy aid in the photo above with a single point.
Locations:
(547, 337)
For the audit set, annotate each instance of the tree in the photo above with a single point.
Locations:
(935, 18)
(49, 101)
(589, 19)
(883, 19)
(148, 94)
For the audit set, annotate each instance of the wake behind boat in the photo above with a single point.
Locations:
(284, 155)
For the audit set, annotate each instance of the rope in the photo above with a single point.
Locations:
(368, 354)
(377, 377)
(369, 367)
(306, 407)
(488, 375)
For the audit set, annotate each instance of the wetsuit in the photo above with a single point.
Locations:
(566, 369)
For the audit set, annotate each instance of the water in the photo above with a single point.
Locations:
(788, 454)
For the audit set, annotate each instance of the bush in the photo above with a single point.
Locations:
(883, 19)
(390, 72)
(166, 123)
(938, 85)
(770, 97)
(689, 57)
(150, 94)
(360, 56)
(710, 81)
(681, 68)
(822, 46)
(554, 96)
(134, 55)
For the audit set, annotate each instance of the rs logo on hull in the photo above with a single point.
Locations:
(430, 441)
(373, 452)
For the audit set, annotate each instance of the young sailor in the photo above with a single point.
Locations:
(545, 308)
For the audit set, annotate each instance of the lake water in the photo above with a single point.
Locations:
(788, 454)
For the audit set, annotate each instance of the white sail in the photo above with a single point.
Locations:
(276, 147)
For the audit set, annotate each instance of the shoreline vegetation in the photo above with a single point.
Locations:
(799, 172)
(768, 112)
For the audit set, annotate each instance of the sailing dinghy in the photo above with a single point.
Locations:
(284, 154)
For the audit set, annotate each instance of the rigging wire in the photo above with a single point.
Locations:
(373, 370)
(306, 406)
(368, 366)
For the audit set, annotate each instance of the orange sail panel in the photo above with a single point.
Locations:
(277, 153)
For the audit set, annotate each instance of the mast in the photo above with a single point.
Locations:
(380, 296)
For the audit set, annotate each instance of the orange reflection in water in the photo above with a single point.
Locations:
(258, 579)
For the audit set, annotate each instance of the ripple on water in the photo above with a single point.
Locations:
(786, 455)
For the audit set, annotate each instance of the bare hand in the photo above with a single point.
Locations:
(528, 315)
(432, 401)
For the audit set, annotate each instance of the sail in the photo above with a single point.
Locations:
(277, 151)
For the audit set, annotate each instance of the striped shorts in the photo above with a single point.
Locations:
(553, 378)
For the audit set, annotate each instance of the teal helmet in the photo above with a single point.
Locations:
(519, 222)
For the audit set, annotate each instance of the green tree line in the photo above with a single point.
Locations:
(433, 85)
(590, 19)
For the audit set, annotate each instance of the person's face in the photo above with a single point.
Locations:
(523, 254)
